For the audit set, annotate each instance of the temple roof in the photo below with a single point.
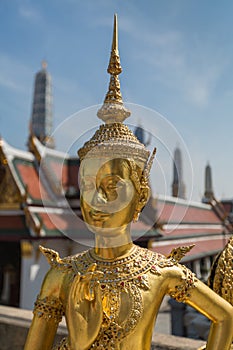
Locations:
(48, 206)
(175, 210)
(43, 178)
(203, 247)
(43, 174)
(185, 223)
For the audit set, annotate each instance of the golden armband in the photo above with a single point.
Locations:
(63, 345)
(182, 290)
(49, 308)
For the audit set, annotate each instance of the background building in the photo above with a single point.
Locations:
(178, 187)
(42, 112)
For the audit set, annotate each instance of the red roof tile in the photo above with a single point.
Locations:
(62, 222)
(176, 213)
(30, 178)
(61, 171)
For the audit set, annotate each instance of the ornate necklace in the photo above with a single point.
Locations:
(129, 268)
(124, 275)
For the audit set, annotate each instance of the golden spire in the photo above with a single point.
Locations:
(114, 67)
(113, 109)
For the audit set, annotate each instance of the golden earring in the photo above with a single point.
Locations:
(136, 215)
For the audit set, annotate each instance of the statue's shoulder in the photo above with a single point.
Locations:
(55, 261)
(178, 253)
(173, 258)
(179, 279)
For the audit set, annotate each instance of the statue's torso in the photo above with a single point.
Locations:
(132, 290)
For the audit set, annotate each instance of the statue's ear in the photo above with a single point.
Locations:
(143, 199)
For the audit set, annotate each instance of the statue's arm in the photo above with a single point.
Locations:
(185, 287)
(41, 334)
(48, 313)
(219, 311)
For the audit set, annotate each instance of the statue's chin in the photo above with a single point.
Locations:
(108, 232)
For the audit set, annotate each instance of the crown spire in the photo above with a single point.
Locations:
(114, 67)
(113, 110)
(115, 34)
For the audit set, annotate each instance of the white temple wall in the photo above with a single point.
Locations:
(35, 266)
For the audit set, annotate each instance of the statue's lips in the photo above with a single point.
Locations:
(98, 215)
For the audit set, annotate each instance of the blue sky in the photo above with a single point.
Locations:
(177, 59)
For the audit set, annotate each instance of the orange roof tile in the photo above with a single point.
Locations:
(176, 213)
(30, 179)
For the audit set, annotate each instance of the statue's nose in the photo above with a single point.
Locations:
(99, 197)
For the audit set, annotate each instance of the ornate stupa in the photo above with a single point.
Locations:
(42, 114)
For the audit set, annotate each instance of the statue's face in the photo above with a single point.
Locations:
(108, 196)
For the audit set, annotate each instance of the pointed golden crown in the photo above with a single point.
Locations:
(113, 109)
(114, 138)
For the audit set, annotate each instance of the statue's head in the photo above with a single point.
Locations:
(115, 166)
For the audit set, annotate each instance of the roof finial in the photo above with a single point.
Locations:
(113, 110)
(44, 64)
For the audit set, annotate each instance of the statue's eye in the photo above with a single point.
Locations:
(111, 186)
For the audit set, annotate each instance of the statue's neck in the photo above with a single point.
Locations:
(110, 245)
(111, 253)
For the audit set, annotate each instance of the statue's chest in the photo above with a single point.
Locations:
(123, 285)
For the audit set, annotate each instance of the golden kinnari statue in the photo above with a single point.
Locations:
(110, 295)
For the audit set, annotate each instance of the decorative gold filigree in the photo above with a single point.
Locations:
(49, 308)
(221, 276)
(111, 332)
(114, 91)
(113, 109)
(147, 169)
(188, 278)
(115, 140)
(54, 259)
(182, 290)
(63, 345)
(178, 253)
(10, 195)
(9, 192)
(125, 275)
